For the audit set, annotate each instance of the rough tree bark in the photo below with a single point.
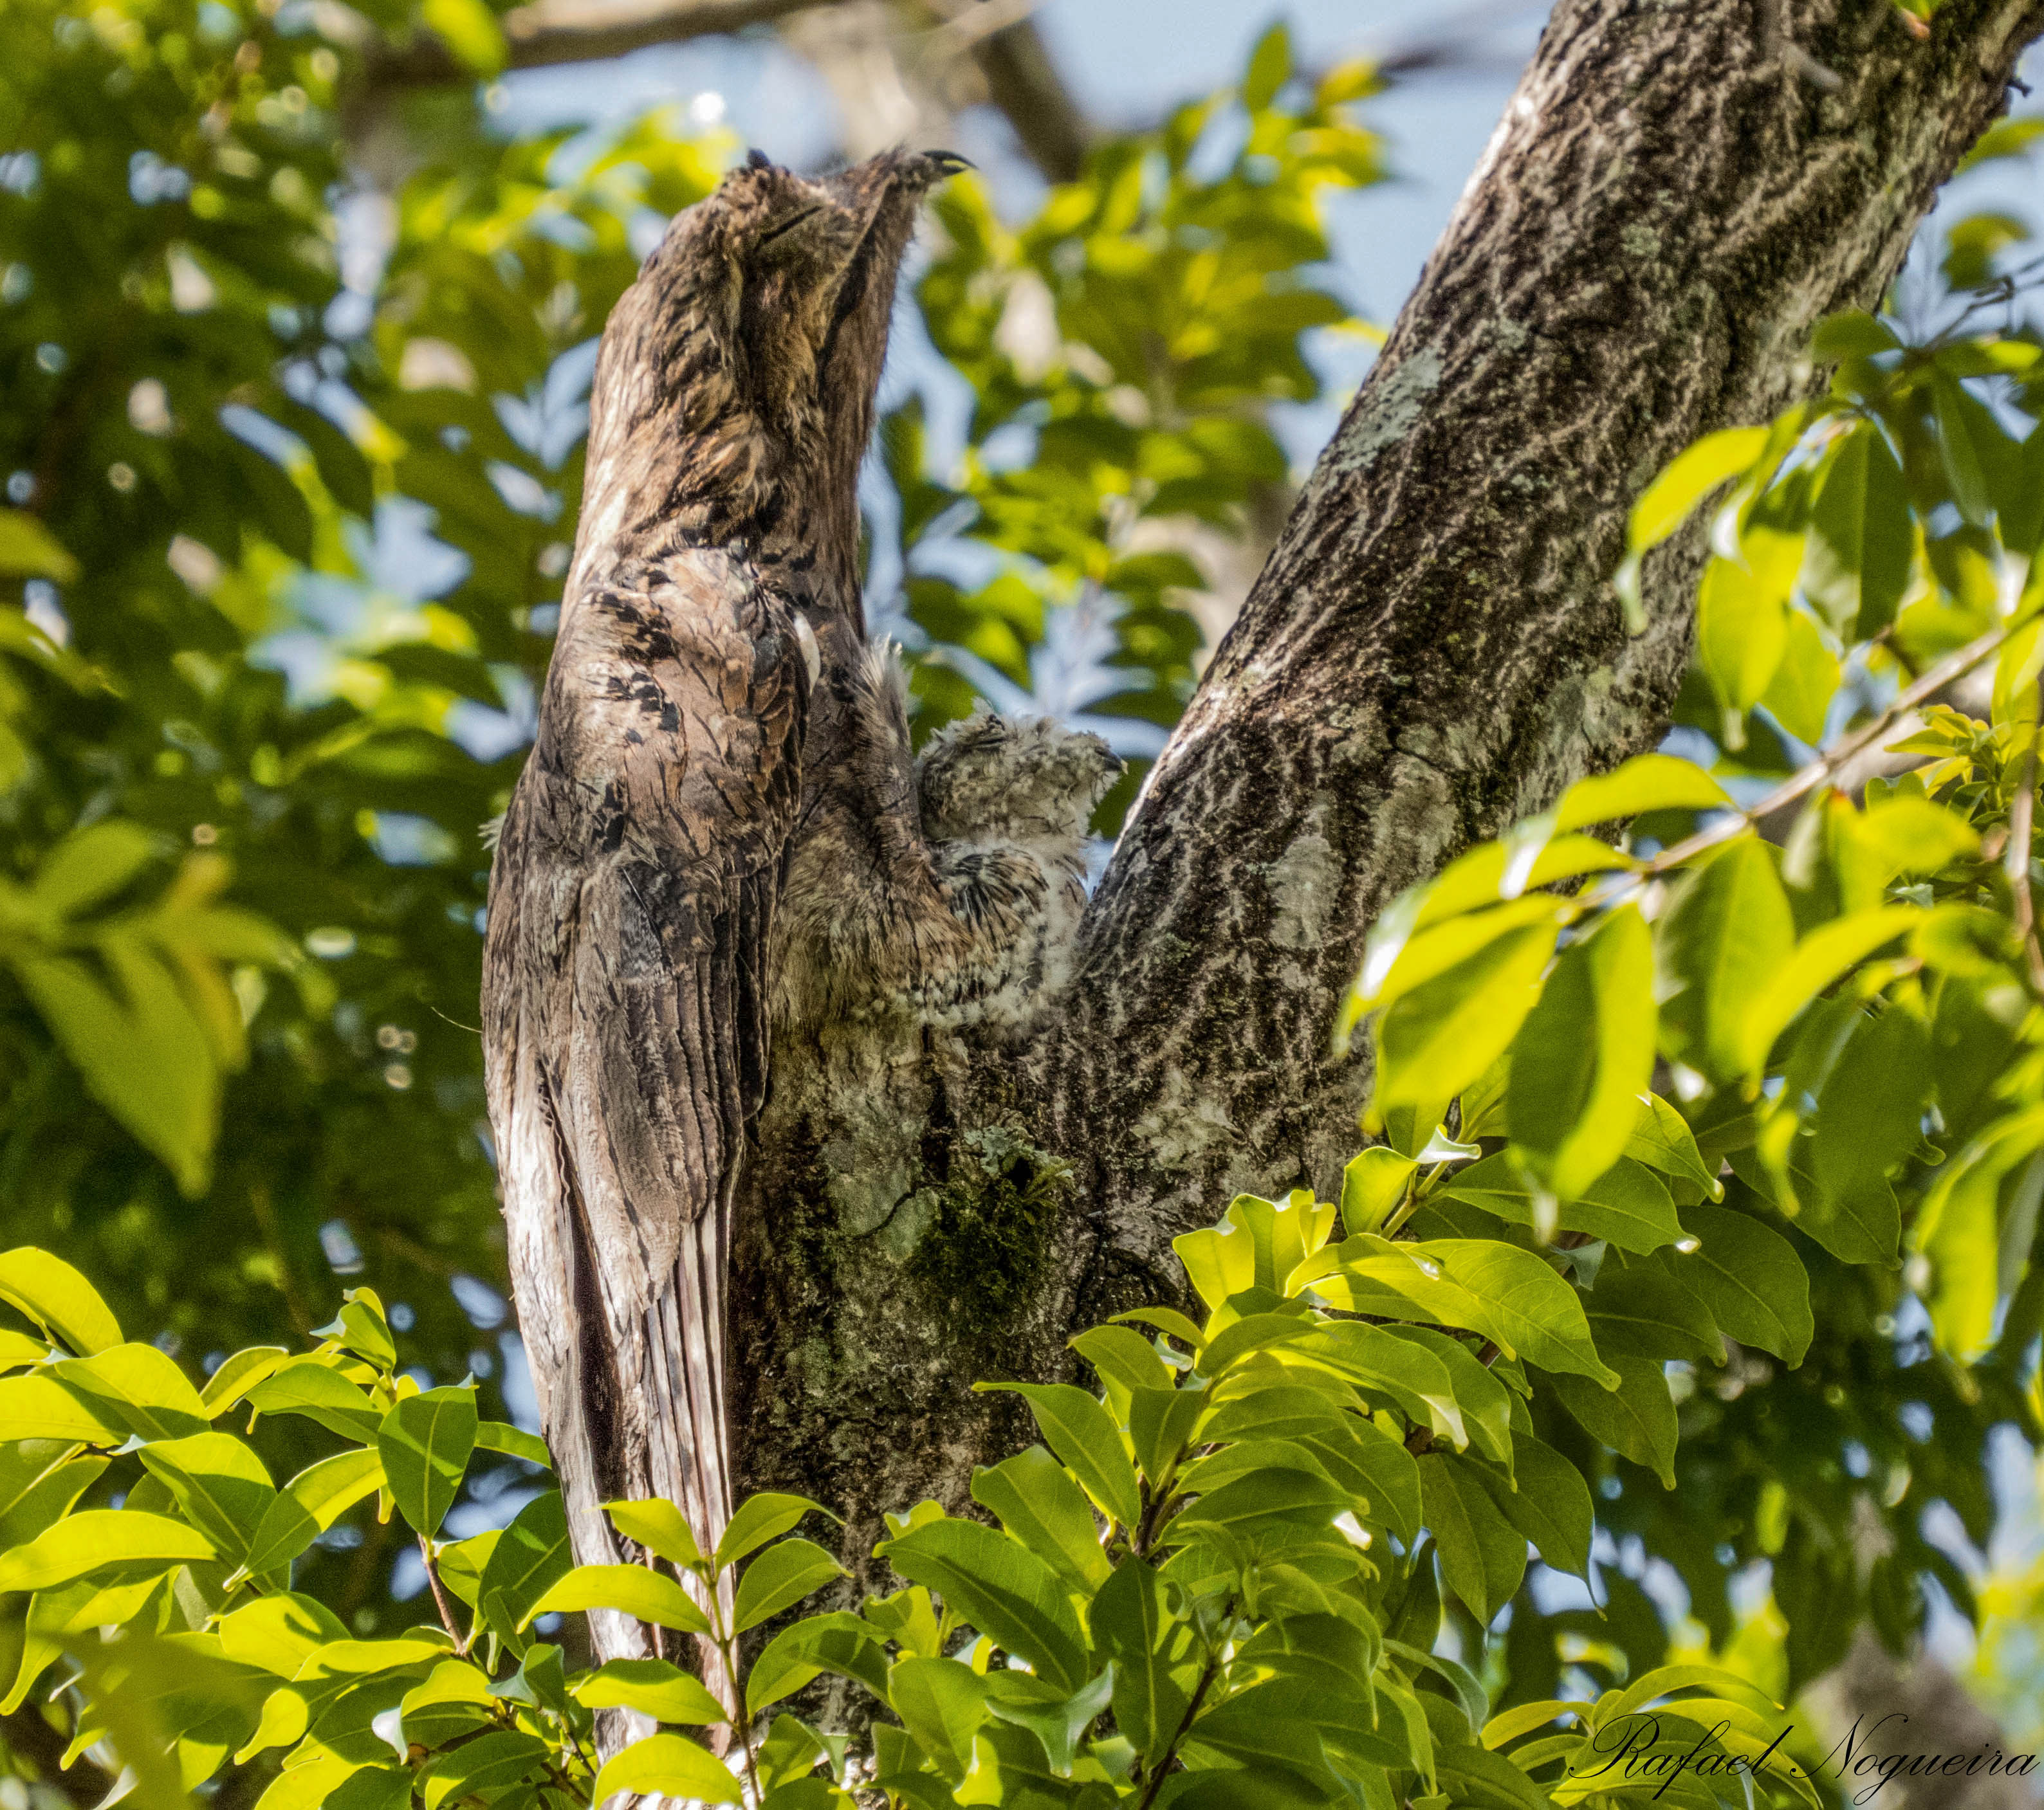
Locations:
(1675, 195)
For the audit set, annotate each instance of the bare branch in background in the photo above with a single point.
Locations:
(1008, 55)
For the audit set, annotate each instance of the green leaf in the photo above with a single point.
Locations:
(1441, 1035)
(1852, 333)
(1665, 504)
(1002, 1588)
(1080, 1432)
(29, 549)
(1646, 782)
(1741, 631)
(239, 1375)
(532, 1555)
(654, 1688)
(94, 1539)
(1551, 1507)
(1483, 1556)
(659, 1526)
(361, 1329)
(59, 1299)
(1641, 1310)
(222, 1487)
(1372, 1185)
(1978, 454)
(1862, 537)
(489, 1763)
(138, 1385)
(839, 1643)
(1801, 692)
(1827, 952)
(454, 1701)
(1585, 1055)
(310, 1504)
(1480, 1285)
(279, 1633)
(941, 1703)
(1628, 1204)
(1123, 1357)
(760, 1518)
(780, 1576)
(513, 1442)
(671, 1765)
(310, 1388)
(1718, 950)
(1750, 1279)
(1156, 1658)
(1637, 1419)
(1661, 1139)
(41, 1408)
(633, 1590)
(40, 1483)
(1270, 69)
(426, 1442)
(1039, 1505)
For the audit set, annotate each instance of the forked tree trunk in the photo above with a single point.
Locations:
(1677, 195)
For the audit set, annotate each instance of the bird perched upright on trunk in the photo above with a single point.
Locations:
(719, 829)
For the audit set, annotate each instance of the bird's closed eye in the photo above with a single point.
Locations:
(787, 226)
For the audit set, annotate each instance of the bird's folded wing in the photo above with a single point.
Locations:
(668, 768)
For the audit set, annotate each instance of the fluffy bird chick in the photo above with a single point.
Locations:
(1006, 800)
(951, 897)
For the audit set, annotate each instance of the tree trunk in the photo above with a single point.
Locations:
(1677, 195)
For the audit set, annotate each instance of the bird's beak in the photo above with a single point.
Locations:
(948, 163)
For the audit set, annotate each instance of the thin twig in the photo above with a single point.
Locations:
(1953, 666)
(440, 1600)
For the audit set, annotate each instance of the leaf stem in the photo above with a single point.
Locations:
(727, 1647)
(440, 1600)
(1163, 1766)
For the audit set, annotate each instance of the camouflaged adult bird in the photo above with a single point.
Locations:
(720, 834)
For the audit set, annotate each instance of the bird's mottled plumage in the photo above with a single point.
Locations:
(720, 831)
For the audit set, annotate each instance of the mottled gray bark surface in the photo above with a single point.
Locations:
(1673, 198)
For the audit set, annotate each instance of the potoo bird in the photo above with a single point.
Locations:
(720, 830)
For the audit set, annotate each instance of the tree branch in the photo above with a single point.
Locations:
(1020, 78)
(1433, 650)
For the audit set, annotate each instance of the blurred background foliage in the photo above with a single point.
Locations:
(295, 346)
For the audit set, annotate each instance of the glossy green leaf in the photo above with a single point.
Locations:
(839, 1644)
(1004, 1590)
(94, 1539)
(1079, 1431)
(59, 1299)
(1442, 1034)
(1856, 558)
(1637, 1419)
(941, 1703)
(310, 1504)
(759, 1519)
(222, 1485)
(1718, 950)
(781, 1577)
(426, 1442)
(631, 1590)
(310, 1388)
(1661, 1140)
(659, 1526)
(1039, 1505)
(1155, 1656)
(1646, 782)
(1483, 1556)
(532, 1555)
(489, 1763)
(1750, 1279)
(1585, 1055)
(671, 1765)
(654, 1688)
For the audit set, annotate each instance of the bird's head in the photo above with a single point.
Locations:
(746, 356)
(1026, 780)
